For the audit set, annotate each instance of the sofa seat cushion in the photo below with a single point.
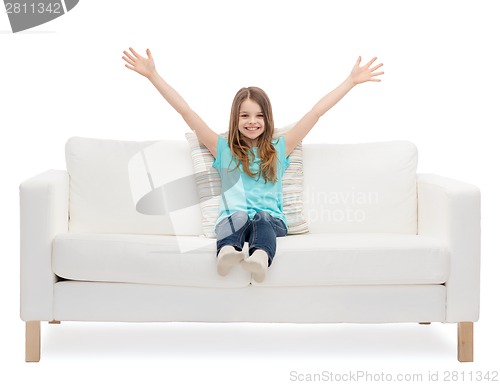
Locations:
(301, 260)
(150, 259)
(358, 259)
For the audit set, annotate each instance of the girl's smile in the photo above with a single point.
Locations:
(251, 121)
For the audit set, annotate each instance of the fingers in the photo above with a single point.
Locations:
(132, 59)
(367, 65)
(128, 60)
(135, 53)
(373, 78)
(128, 55)
(372, 70)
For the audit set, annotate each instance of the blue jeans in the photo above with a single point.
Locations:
(260, 232)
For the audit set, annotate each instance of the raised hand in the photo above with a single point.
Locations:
(142, 65)
(366, 73)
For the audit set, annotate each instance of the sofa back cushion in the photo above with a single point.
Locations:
(367, 187)
(149, 187)
(132, 187)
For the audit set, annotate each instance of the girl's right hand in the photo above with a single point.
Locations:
(142, 65)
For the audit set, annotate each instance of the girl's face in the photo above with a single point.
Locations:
(251, 121)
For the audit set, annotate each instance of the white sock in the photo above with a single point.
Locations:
(227, 258)
(257, 265)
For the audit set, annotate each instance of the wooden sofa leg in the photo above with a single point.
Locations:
(32, 341)
(466, 341)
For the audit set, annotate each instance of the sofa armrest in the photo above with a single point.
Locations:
(450, 210)
(44, 213)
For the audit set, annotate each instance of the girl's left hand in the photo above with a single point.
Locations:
(366, 73)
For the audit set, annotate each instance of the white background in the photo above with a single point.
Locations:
(66, 78)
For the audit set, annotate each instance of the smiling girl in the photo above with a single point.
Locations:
(250, 162)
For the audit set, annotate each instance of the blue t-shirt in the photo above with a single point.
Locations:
(241, 192)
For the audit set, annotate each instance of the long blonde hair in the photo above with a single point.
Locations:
(239, 147)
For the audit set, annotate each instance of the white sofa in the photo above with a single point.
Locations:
(118, 237)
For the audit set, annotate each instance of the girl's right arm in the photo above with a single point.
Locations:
(146, 67)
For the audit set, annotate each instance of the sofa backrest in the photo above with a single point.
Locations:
(367, 187)
(132, 187)
(149, 187)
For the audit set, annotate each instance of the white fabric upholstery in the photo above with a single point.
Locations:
(358, 259)
(132, 187)
(306, 260)
(149, 187)
(449, 210)
(367, 187)
(44, 214)
(96, 301)
(364, 259)
(149, 259)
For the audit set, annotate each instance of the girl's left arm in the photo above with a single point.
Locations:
(358, 75)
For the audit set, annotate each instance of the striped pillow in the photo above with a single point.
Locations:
(209, 186)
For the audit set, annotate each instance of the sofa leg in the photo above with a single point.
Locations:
(32, 341)
(466, 341)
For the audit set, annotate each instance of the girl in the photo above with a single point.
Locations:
(250, 163)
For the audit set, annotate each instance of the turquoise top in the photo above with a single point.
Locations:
(241, 192)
